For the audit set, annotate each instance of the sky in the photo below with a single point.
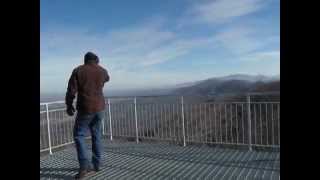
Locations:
(155, 43)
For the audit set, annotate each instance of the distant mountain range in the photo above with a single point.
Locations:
(236, 83)
(251, 78)
(239, 83)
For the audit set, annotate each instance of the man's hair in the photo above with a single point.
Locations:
(90, 56)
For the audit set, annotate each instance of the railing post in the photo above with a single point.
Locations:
(136, 119)
(48, 123)
(249, 121)
(110, 124)
(103, 126)
(103, 131)
(183, 129)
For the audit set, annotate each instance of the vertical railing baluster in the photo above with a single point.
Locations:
(255, 122)
(231, 123)
(183, 129)
(220, 123)
(110, 123)
(174, 123)
(249, 121)
(226, 120)
(205, 122)
(48, 125)
(237, 124)
(103, 131)
(272, 127)
(215, 123)
(278, 123)
(136, 118)
(267, 133)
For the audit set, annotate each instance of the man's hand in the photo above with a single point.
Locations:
(70, 110)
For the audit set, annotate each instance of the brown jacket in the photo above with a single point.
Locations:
(87, 82)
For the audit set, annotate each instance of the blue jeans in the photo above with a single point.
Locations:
(83, 123)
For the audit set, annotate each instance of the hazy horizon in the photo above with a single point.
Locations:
(107, 88)
(159, 90)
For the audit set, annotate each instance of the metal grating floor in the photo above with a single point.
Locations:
(128, 160)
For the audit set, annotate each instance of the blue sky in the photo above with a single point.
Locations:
(154, 43)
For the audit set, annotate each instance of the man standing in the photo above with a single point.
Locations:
(87, 82)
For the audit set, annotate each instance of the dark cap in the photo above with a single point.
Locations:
(89, 56)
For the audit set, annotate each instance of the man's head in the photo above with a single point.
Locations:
(90, 57)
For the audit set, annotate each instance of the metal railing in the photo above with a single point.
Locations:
(249, 123)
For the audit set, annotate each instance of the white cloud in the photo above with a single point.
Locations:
(132, 51)
(238, 40)
(219, 11)
(267, 56)
(140, 45)
(120, 50)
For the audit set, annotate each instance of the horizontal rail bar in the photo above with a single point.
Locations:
(264, 93)
(158, 96)
(53, 102)
(60, 145)
(54, 110)
(55, 147)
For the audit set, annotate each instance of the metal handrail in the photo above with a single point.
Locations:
(248, 123)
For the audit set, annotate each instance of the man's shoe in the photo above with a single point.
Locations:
(83, 173)
(96, 169)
